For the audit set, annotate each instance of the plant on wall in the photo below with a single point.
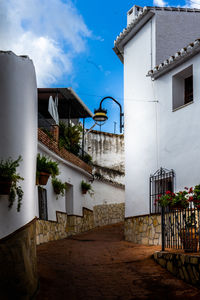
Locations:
(9, 179)
(45, 168)
(58, 186)
(69, 137)
(87, 158)
(85, 187)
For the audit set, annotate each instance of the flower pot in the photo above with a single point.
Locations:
(176, 207)
(189, 239)
(43, 178)
(5, 187)
(84, 191)
(56, 191)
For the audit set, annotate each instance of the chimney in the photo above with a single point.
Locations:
(133, 13)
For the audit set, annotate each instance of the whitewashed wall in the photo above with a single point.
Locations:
(140, 130)
(18, 134)
(106, 149)
(179, 138)
(106, 193)
(72, 175)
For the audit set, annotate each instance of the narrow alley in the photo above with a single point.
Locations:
(100, 265)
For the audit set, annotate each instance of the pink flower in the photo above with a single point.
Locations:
(186, 188)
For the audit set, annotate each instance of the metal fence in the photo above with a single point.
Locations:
(180, 229)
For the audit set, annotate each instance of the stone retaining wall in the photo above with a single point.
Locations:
(183, 266)
(144, 230)
(18, 274)
(67, 225)
(108, 214)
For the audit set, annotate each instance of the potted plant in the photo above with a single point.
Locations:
(58, 186)
(195, 197)
(45, 168)
(177, 200)
(189, 234)
(85, 187)
(9, 179)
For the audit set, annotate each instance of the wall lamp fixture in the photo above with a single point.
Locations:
(100, 114)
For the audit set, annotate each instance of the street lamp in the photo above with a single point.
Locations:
(100, 114)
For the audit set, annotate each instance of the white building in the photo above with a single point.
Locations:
(42, 217)
(161, 106)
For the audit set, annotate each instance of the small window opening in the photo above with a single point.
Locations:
(188, 89)
(182, 88)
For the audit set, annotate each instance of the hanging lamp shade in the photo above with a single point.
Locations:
(100, 115)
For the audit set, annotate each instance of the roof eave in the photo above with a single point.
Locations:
(174, 64)
(130, 33)
(81, 102)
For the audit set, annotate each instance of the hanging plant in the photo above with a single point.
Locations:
(45, 168)
(85, 187)
(59, 187)
(9, 179)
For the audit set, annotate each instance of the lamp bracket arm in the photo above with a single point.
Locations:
(109, 97)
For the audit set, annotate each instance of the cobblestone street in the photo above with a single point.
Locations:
(100, 265)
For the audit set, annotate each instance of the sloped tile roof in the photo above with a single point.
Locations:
(141, 14)
(178, 58)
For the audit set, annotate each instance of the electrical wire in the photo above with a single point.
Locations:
(128, 99)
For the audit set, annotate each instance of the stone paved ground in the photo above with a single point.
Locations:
(100, 265)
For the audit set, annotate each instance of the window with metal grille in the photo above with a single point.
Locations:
(42, 201)
(160, 182)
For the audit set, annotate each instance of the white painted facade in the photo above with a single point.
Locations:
(73, 201)
(178, 130)
(107, 193)
(140, 133)
(18, 134)
(156, 136)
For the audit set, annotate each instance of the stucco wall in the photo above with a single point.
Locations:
(72, 176)
(107, 193)
(18, 134)
(178, 131)
(140, 120)
(107, 151)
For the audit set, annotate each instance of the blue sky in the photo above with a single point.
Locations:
(71, 41)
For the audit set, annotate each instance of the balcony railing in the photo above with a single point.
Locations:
(48, 125)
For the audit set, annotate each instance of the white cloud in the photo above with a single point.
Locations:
(193, 3)
(51, 32)
(160, 3)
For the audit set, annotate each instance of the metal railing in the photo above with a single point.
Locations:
(47, 126)
(180, 228)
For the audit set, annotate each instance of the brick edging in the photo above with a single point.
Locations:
(63, 153)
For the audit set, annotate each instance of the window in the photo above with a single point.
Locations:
(182, 88)
(160, 182)
(42, 199)
(188, 84)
